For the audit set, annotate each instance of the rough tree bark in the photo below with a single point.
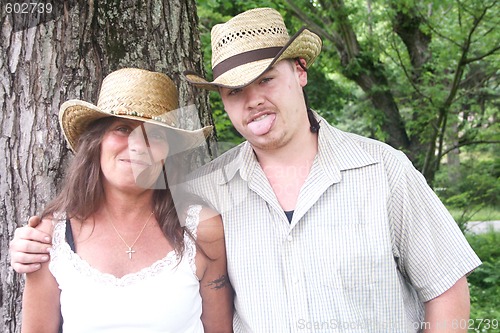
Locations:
(408, 26)
(67, 57)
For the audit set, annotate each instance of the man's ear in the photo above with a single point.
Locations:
(300, 68)
(301, 61)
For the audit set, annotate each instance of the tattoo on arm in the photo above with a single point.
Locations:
(218, 283)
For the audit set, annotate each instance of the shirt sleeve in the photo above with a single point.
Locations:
(431, 251)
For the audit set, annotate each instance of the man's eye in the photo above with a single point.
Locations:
(266, 79)
(158, 135)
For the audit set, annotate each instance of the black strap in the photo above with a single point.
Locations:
(71, 241)
(69, 236)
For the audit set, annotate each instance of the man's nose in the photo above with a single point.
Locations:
(254, 96)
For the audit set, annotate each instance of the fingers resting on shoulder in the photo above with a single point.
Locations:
(29, 248)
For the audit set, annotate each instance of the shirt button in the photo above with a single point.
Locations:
(289, 238)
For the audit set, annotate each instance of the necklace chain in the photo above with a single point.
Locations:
(130, 250)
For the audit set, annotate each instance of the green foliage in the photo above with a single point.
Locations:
(484, 282)
(470, 187)
(452, 94)
(328, 94)
(227, 136)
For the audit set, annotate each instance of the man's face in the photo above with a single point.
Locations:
(271, 110)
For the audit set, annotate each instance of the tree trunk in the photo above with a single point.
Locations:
(367, 72)
(407, 24)
(66, 56)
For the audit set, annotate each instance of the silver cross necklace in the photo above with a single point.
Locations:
(130, 248)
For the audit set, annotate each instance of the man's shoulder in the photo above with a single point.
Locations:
(348, 143)
(217, 163)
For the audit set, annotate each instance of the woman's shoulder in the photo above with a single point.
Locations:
(49, 222)
(210, 227)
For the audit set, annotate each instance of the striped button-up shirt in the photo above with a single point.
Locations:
(368, 243)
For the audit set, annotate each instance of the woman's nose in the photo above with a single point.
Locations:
(137, 141)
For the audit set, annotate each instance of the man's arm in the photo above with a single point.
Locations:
(215, 288)
(41, 305)
(446, 312)
(29, 247)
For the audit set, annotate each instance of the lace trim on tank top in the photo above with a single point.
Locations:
(192, 221)
(62, 249)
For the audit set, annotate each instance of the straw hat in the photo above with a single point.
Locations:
(247, 45)
(135, 94)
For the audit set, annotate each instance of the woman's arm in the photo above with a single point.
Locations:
(41, 306)
(215, 288)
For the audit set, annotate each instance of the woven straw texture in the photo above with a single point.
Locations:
(252, 30)
(135, 94)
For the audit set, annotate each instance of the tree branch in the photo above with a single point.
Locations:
(490, 52)
(470, 143)
(405, 70)
(333, 36)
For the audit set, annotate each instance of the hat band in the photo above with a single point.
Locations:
(244, 58)
(121, 112)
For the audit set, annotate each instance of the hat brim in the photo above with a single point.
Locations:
(75, 116)
(304, 44)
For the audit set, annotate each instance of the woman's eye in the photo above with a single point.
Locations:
(234, 92)
(123, 129)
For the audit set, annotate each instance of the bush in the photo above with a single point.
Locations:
(484, 282)
(475, 184)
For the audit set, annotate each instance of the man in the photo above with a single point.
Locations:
(325, 230)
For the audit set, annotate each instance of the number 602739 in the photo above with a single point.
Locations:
(28, 8)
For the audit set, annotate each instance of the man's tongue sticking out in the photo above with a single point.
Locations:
(262, 125)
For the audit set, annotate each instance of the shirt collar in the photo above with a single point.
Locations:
(337, 151)
(341, 150)
(245, 162)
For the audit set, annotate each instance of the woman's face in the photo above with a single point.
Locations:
(133, 154)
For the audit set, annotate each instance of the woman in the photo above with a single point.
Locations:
(137, 266)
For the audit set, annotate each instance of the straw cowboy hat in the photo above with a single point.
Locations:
(250, 43)
(135, 94)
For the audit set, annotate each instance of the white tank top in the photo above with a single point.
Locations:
(164, 297)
